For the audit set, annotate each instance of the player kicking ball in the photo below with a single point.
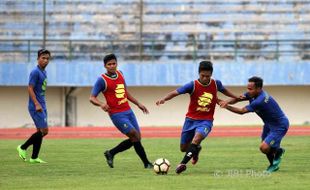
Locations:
(199, 118)
(276, 123)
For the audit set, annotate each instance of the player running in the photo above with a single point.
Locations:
(199, 118)
(112, 85)
(276, 123)
(37, 107)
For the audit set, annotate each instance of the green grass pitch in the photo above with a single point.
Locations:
(225, 163)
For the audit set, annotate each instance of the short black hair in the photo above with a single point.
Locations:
(205, 66)
(43, 51)
(109, 57)
(258, 82)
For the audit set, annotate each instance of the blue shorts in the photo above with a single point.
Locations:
(273, 134)
(191, 127)
(125, 121)
(39, 118)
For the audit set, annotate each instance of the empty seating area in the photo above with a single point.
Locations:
(158, 29)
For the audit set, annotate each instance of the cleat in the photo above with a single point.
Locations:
(181, 168)
(278, 157)
(196, 157)
(37, 161)
(272, 168)
(21, 152)
(148, 166)
(109, 158)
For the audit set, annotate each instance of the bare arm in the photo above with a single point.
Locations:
(237, 110)
(135, 101)
(95, 101)
(34, 99)
(169, 96)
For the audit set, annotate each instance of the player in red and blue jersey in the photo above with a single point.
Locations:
(199, 118)
(112, 85)
(276, 123)
(37, 107)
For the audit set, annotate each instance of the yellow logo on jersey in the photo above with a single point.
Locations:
(120, 93)
(203, 101)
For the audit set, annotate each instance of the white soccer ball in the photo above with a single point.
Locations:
(161, 166)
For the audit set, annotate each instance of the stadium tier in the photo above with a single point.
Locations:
(235, 32)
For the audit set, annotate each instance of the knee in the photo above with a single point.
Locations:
(134, 136)
(264, 148)
(183, 148)
(44, 132)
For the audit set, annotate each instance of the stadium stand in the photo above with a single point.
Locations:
(157, 29)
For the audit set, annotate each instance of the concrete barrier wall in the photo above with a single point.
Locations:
(14, 113)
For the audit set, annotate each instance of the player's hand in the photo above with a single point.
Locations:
(105, 107)
(38, 108)
(162, 101)
(143, 108)
(223, 103)
(241, 97)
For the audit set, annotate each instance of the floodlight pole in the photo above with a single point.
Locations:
(141, 30)
(44, 22)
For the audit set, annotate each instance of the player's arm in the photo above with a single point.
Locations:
(169, 96)
(237, 110)
(34, 99)
(98, 87)
(137, 103)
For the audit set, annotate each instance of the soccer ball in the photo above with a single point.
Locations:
(161, 166)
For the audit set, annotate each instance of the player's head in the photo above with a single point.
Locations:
(205, 71)
(110, 63)
(255, 85)
(43, 57)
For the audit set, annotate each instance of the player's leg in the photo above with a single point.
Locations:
(40, 120)
(204, 128)
(201, 130)
(135, 137)
(271, 145)
(121, 121)
(265, 147)
(32, 139)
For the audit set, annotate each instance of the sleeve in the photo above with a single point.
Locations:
(33, 78)
(220, 86)
(98, 87)
(187, 88)
(254, 105)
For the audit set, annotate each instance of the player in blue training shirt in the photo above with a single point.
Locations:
(37, 107)
(276, 123)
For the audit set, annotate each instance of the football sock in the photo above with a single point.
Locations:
(31, 140)
(141, 153)
(124, 145)
(193, 149)
(279, 151)
(270, 157)
(37, 145)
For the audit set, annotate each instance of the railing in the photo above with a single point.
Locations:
(155, 50)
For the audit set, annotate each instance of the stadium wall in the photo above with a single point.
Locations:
(14, 113)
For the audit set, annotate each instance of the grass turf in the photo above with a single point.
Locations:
(225, 163)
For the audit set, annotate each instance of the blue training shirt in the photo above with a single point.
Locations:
(189, 87)
(38, 80)
(266, 108)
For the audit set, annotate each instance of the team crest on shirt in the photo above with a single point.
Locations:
(203, 101)
(120, 93)
(272, 142)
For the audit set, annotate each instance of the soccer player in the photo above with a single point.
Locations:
(199, 118)
(37, 107)
(112, 85)
(276, 123)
